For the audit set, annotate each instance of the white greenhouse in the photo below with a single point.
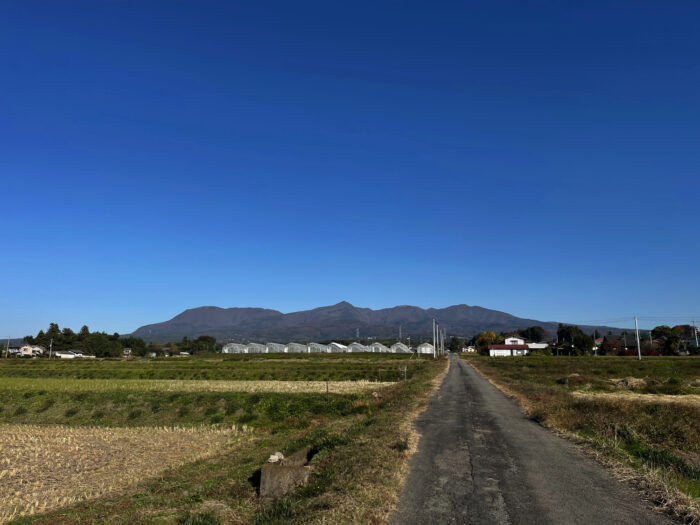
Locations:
(378, 348)
(400, 348)
(357, 347)
(425, 348)
(276, 348)
(256, 348)
(337, 348)
(317, 348)
(297, 348)
(234, 348)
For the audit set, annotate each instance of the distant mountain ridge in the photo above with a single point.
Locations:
(338, 321)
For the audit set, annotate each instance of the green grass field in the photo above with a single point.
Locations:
(644, 413)
(362, 437)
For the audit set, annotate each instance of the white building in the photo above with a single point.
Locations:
(508, 350)
(512, 340)
(537, 346)
(425, 348)
(30, 351)
(72, 354)
(469, 349)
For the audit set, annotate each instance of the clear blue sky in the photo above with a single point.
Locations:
(540, 158)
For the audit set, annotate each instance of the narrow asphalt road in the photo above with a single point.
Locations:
(481, 461)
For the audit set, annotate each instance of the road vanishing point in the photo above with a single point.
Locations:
(480, 460)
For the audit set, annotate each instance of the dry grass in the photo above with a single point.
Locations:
(690, 399)
(587, 418)
(373, 498)
(176, 385)
(47, 467)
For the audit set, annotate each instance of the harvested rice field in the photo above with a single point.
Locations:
(46, 467)
(182, 440)
(174, 385)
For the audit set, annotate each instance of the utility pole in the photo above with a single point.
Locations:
(639, 348)
(50, 347)
(434, 340)
(7, 348)
(696, 334)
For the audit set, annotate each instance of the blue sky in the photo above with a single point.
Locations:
(539, 158)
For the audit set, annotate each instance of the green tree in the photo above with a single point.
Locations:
(581, 344)
(455, 344)
(484, 339)
(533, 333)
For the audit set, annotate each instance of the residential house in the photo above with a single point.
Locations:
(31, 351)
(508, 349)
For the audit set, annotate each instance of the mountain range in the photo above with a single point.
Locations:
(339, 321)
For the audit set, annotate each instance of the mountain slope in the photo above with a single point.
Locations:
(338, 321)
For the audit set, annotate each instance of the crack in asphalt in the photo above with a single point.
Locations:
(481, 461)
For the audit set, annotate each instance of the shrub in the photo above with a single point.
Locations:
(70, 412)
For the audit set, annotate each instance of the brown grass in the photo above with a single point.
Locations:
(46, 467)
(690, 399)
(570, 412)
(373, 498)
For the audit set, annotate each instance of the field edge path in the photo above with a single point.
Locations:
(480, 460)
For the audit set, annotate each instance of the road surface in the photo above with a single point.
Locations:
(481, 461)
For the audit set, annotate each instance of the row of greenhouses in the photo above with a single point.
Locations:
(318, 348)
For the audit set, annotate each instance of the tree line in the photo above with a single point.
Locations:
(571, 340)
(102, 344)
